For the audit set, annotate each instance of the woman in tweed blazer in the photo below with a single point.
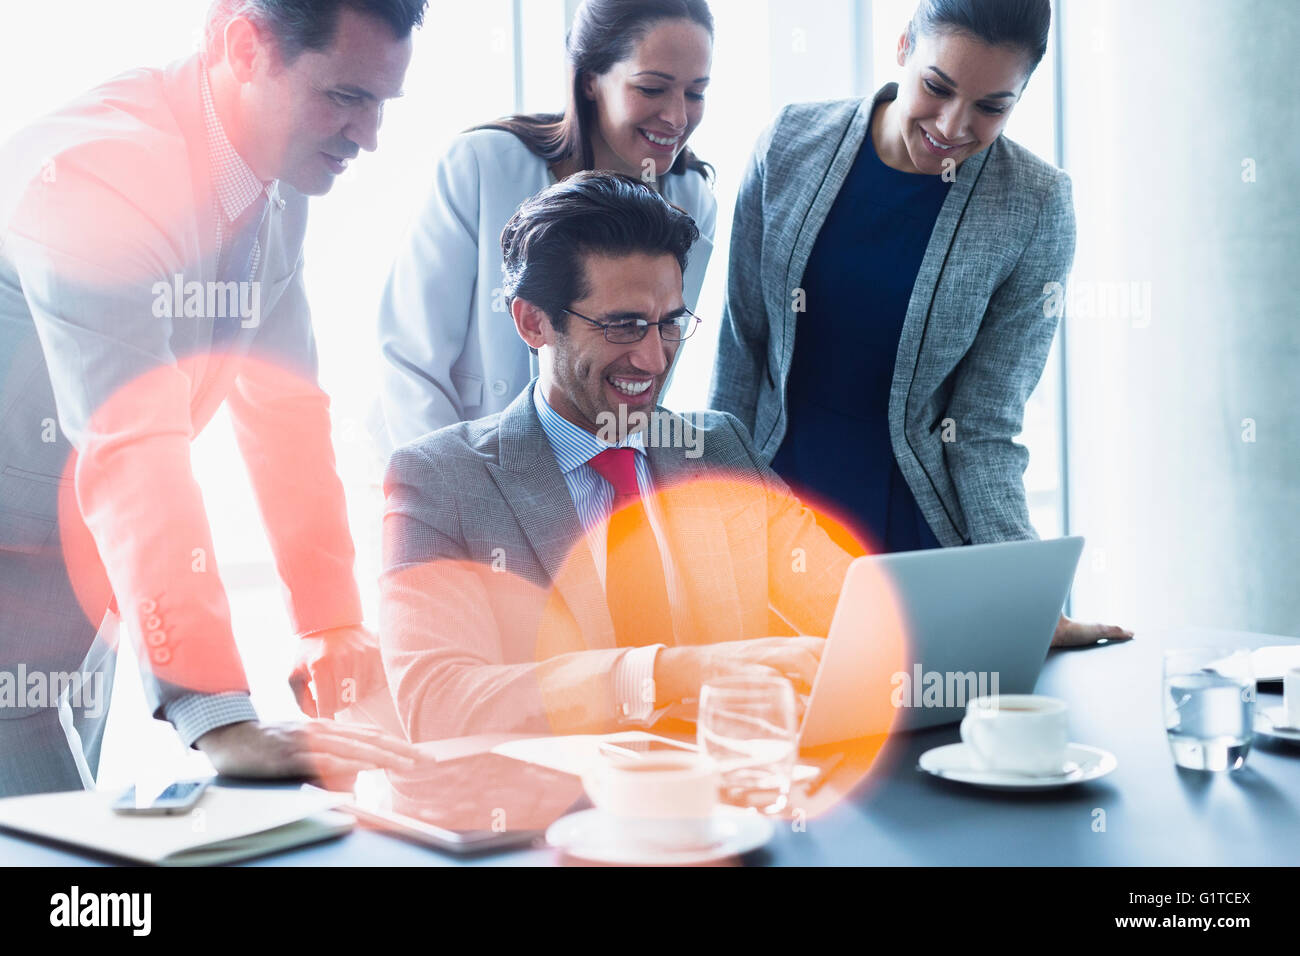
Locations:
(899, 412)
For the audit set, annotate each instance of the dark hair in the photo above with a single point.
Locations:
(603, 34)
(301, 25)
(1014, 23)
(600, 212)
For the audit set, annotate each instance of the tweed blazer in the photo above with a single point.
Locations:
(978, 327)
(492, 615)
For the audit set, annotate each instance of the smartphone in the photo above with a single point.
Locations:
(179, 797)
(644, 747)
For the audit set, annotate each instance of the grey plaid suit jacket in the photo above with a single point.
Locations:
(123, 203)
(978, 327)
(493, 618)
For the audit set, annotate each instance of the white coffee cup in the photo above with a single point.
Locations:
(1291, 697)
(665, 800)
(1016, 733)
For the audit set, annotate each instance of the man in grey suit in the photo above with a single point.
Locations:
(585, 559)
(152, 269)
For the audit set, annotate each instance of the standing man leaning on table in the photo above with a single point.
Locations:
(151, 269)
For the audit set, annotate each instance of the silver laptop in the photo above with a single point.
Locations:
(917, 634)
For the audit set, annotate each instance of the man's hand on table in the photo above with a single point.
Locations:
(1076, 634)
(330, 658)
(325, 750)
(680, 671)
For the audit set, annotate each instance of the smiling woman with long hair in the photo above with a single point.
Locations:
(886, 317)
(638, 70)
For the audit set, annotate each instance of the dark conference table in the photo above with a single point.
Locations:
(1154, 813)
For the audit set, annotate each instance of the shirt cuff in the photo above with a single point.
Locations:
(634, 684)
(193, 715)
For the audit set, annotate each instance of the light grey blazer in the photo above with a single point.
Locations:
(977, 330)
(492, 615)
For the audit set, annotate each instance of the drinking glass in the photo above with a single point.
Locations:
(1209, 704)
(748, 725)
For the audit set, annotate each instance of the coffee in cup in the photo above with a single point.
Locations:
(665, 800)
(1016, 733)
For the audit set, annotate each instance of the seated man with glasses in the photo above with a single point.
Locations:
(586, 558)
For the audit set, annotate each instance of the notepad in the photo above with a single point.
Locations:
(1272, 662)
(229, 824)
(575, 753)
(1268, 663)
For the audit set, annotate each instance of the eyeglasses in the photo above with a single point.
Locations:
(675, 329)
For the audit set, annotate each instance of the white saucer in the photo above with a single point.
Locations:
(1269, 723)
(590, 835)
(956, 762)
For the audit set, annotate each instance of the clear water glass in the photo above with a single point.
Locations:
(749, 726)
(1209, 707)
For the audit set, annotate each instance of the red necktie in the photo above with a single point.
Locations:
(634, 572)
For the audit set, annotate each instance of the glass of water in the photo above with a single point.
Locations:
(748, 725)
(1209, 703)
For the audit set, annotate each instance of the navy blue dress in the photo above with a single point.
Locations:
(858, 282)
